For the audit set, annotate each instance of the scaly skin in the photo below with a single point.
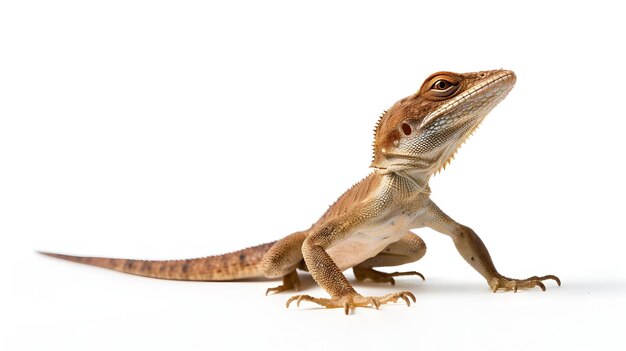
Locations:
(369, 225)
(235, 265)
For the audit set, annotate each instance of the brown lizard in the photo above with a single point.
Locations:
(369, 225)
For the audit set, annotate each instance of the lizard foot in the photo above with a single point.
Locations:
(501, 282)
(290, 281)
(361, 273)
(354, 300)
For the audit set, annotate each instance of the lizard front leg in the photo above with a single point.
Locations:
(326, 273)
(474, 251)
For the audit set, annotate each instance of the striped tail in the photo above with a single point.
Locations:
(235, 265)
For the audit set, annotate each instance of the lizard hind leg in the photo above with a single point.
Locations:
(282, 260)
(290, 281)
(408, 249)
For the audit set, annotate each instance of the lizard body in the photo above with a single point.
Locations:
(370, 224)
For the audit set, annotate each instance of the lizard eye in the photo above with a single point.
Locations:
(441, 84)
(406, 129)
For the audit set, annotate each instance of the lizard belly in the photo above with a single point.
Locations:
(367, 241)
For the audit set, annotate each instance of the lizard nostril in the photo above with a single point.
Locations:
(482, 74)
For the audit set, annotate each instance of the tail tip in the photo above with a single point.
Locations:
(50, 254)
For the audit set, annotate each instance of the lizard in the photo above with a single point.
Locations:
(370, 225)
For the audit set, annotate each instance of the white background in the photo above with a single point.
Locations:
(153, 129)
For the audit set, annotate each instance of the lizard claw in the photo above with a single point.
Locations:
(541, 285)
(374, 302)
(362, 273)
(297, 298)
(495, 285)
(290, 281)
(502, 282)
(352, 301)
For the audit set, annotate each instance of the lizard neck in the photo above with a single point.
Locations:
(418, 179)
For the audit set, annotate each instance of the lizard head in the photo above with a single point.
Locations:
(424, 130)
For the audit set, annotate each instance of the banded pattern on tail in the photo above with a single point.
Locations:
(235, 265)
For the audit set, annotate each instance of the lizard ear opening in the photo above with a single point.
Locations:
(406, 129)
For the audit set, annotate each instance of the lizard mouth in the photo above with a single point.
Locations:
(482, 99)
(492, 90)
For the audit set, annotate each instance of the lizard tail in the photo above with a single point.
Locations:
(235, 265)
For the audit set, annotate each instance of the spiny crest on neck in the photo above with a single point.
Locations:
(376, 130)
